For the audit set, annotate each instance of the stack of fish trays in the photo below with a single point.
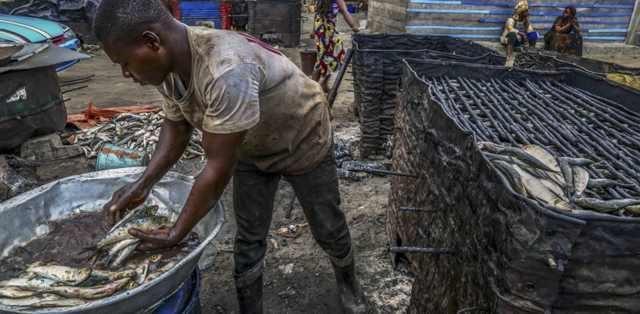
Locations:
(377, 70)
(485, 247)
(193, 12)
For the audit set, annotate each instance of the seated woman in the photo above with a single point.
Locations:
(511, 37)
(564, 36)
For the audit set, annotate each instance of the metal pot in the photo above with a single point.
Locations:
(26, 217)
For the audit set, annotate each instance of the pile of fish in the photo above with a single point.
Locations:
(560, 182)
(52, 285)
(139, 132)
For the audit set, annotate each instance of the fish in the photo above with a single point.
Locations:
(60, 274)
(42, 301)
(123, 255)
(118, 247)
(580, 180)
(15, 293)
(136, 131)
(32, 284)
(513, 177)
(542, 155)
(543, 191)
(161, 271)
(579, 162)
(567, 173)
(89, 293)
(520, 154)
(144, 218)
(605, 206)
(527, 158)
(605, 183)
(490, 147)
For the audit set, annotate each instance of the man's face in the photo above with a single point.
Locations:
(566, 13)
(145, 61)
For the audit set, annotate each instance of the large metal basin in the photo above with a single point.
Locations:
(25, 217)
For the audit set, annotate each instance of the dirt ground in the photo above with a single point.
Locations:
(298, 275)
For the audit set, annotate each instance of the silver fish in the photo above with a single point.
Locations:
(33, 284)
(542, 155)
(90, 293)
(42, 301)
(161, 271)
(605, 206)
(61, 274)
(123, 255)
(118, 247)
(567, 173)
(15, 293)
(143, 218)
(579, 162)
(513, 177)
(580, 180)
(605, 183)
(543, 190)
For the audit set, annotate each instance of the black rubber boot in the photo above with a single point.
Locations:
(249, 296)
(349, 291)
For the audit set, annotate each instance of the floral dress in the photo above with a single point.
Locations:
(330, 49)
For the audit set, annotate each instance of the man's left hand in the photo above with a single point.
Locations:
(161, 238)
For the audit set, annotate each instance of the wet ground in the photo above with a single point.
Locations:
(298, 276)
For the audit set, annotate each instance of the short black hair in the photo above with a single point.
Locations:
(125, 19)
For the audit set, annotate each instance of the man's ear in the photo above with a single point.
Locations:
(151, 40)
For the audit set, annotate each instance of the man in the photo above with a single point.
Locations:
(262, 119)
(512, 38)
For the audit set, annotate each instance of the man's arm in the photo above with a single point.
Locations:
(221, 151)
(174, 137)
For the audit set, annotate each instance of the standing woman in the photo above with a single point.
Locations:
(330, 49)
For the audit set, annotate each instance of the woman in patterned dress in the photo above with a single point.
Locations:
(329, 47)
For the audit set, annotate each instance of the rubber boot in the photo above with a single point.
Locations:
(349, 290)
(249, 294)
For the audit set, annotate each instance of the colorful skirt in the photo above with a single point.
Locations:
(330, 49)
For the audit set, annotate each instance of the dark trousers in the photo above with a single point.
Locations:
(253, 195)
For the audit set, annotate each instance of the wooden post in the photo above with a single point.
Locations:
(633, 25)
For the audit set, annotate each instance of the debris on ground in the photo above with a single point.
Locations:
(291, 231)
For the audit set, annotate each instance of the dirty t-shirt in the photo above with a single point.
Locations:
(240, 84)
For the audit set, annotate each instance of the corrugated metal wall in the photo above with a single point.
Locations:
(601, 21)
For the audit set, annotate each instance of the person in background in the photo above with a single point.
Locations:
(330, 50)
(512, 37)
(564, 36)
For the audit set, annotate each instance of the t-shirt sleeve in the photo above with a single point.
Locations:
(170, 108)
(233, 100)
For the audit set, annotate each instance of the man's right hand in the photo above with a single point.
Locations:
(128, 197)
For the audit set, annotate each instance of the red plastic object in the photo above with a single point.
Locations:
(175, 8)
(225, 12)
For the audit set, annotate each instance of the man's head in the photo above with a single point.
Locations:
(132, 33)
(569, 11)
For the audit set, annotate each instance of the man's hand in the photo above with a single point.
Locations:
(128, 197)
(157, 239)
(221, 150)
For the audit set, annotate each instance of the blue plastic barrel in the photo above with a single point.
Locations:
(184, 301)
